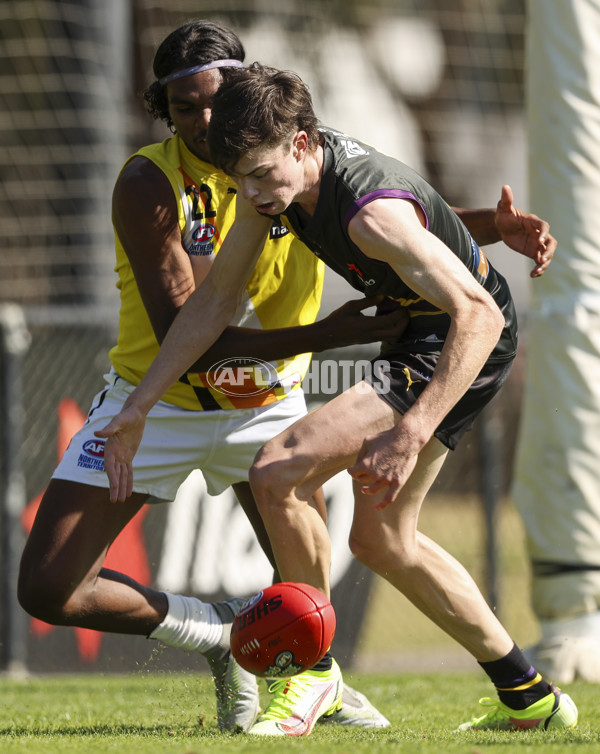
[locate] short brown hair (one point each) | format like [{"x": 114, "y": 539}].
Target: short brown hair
[{"x": 255, "y": 107}]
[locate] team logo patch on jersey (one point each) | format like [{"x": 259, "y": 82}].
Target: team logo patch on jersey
[
  {"x": 202, "y": 240},
  {"x": 353, "y": 148},
  {"x": 361, "y": 275},
  {"x": 278, "y": 231},
  {"x": 480, "y": 262},
  {"x": 92, "y": 455}
]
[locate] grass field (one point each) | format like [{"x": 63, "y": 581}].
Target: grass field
[
  {"x": 174, "y": 714},
  {"x": 158, "y": 712}
]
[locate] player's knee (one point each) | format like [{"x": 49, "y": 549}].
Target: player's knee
[
  {"x": 45, "y": 598},
  {"x": 36, "y": 600},
  {"x": 267, "y": 490},
  {"x": 382, "y": 557},
  {"x": 268, "y": 479},
  {"x": 364, "y": 551}
]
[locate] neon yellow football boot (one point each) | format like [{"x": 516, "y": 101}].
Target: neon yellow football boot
[
  {"x": 298, "y": 703},
  {"x": 556, "y": 710}
]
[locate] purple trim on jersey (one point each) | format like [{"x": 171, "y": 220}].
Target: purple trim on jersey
[{"x": 382, "y": 194}]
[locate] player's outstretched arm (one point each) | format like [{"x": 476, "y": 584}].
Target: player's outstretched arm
[
  {"x": 198, "y": 324},
  {"x": 346, "y": 326},
  {"x": 521, "y": 231}
]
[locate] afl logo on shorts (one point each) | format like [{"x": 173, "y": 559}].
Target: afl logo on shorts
[{"x": 94, "y": 448}]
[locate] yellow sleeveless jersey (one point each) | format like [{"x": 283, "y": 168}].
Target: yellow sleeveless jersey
[{"x": 284, "y": 291}]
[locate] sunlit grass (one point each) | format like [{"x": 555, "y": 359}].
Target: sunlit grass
[
  {"x": 170, "y": 713},
  {"x": 175, "y": 713}
]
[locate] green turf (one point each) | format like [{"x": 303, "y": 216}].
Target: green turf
[{"x": 174, "y": 714}]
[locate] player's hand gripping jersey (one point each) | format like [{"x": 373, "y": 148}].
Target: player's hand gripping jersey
[{"x": 284, "y": 290}]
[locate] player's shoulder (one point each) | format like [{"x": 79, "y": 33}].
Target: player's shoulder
[
  {"x": 355, "y": 165},
  {"x": 139, "y": 176},
  {"x": 343, "y": 148},
  {"x": 139, "y": 167}
]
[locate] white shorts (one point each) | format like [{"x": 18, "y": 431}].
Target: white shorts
[{"x": 222, "y": 444}]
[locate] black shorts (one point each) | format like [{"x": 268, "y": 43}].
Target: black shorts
[{"x": 401, "y": 378}]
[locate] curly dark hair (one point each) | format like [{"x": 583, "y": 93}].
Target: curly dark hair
[
  {"x": 195, "y": 43},
  {"x": 258, "y": 106}
]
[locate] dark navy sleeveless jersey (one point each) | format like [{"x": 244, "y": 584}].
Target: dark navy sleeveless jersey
[{"x": 355, "y": 174}]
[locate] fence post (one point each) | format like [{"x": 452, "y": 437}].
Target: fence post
[{"x": 14, "y": 342}]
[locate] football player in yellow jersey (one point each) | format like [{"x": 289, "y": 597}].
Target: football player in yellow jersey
[{"x": 171, "y": 209}]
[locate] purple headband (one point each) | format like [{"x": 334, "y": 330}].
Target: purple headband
[{"x": 199, "y": 68}]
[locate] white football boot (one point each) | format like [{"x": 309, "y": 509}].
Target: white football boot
[
  {"x": 356, "y": 710},
  {"x": 236, "y": 689}
]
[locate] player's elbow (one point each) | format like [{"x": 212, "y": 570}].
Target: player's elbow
[
  {"x": 496, "y": 321},
  {"x": 485, "y": 320}
]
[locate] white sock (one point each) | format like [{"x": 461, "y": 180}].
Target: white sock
[{"x": 189, "y": 624}]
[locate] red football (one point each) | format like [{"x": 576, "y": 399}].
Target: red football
[{"x": 283, "y": 630}]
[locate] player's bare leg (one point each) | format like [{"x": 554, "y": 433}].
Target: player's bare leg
[
  {"x": 63, "y": 581},
  {"x": 389, "y": 543},
  {"x": 287, "y": 471},
  {"x": 356, "y": 710},
  {"x": 246, "y": 499},
  {"x": 292, "y": 465}
]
